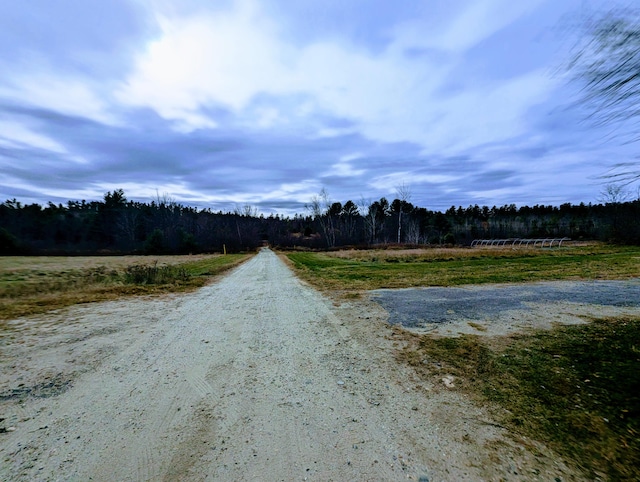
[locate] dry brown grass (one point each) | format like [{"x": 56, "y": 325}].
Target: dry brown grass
[
  {"x": 448, "y": 253},
  {"x": 31, "y": 264},
  {"x": 37, "y": 284}
]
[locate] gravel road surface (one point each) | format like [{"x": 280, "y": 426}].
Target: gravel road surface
[
  {"x": 255, "y": 377},
  {"x": 499, "y": 309}
]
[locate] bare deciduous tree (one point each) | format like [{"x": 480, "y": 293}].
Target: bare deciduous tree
[
  {"x": 320, "y": 207},
  {"x": 247, "y": 211},
  {"x": 614, "y": 194},
  {"x": 404, "y": 195},
  {"x": 370, "y": 212},
  {"x": 412, "y": 232}
]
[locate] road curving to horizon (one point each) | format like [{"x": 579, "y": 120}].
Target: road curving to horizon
[{"x": 254, "y": 377}]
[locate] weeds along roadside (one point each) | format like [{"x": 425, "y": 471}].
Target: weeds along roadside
[{"x": 27, "y": 291}]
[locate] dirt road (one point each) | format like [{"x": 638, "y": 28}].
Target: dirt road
[{"x": 255, "y": 377}]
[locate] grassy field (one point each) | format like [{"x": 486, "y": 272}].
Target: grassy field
[
  {"x": 576, "y": 388},
  {"x": 366, "y": 270},
  {"x": 36, "y": 284}
]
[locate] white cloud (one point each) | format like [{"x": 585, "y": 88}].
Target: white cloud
[
  {"x": 225, "y": 58},
  {"x": 498, "y": 196},
  {"x": 296, "y": 191},
  {"x": 65, "y": 94},
  {"x": 229, "y": 58},
  {"x": 343, "y": 169},
  {"x": 351, "y": 157},
  {"x": 325, "y": 132},
  {"x": 458, "y": 28},
  {"x": 488, "y": 113},
  {"x": 54, "y": 192},
  {"x": 235, "y": 65},
  {"x": 391, "y": 182},
  {"x": 481, "y": 19},
  {"x": 268, "y": 117},
  {"x": 13, "y": 134}
]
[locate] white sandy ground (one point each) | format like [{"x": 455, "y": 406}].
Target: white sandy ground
[{"x": 256, "y": 377}]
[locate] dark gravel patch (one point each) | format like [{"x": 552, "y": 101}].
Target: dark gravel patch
[
  {"x": 50, "y": 388},
  {"x": 414, "y": 307}
]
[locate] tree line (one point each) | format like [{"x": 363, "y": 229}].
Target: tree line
[{"x": 116, "y": 225}]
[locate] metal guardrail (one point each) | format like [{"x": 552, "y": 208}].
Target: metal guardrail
[{"x": 541, "y": 242}]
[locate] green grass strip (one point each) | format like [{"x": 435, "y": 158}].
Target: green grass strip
[{"x": 341, "y": 273}]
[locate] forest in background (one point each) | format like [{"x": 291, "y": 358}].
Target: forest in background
[{"x": 116, "y": 225}]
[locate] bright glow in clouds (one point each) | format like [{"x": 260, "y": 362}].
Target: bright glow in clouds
[
  {"x": 206, "y": 59},
  {"x": 244, "y": 101},
  {"x": 229, "y": 59}
]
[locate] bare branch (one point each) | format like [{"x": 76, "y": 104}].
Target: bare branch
[{"x": 605, "y": 63}]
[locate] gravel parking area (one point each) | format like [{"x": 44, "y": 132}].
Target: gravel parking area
[{"x": 495, "y": 309}]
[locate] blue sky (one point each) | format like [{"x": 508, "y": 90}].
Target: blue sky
[{"x": 225, "y": 103}]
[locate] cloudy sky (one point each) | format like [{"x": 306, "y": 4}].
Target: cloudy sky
[{"x": 219, "y": 103}]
